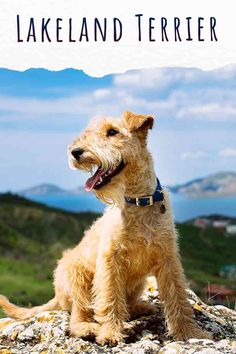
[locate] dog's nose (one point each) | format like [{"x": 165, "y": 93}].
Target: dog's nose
[{"x": 76, "y": 153}]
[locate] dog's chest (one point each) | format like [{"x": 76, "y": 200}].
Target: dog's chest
[{"x": 138, "y": 258}]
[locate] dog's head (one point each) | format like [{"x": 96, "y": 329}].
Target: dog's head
[{"x": 108, "y": 146}]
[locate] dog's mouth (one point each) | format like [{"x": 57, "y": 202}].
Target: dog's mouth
[{"x": 102, "y": 177}]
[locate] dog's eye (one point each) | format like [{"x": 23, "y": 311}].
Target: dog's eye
[{"x": 112, "y": 132}]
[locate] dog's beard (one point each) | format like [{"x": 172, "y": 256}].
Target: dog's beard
[{"x": 112, "y": 193}]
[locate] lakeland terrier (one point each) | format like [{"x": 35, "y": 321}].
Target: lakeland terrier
[{"x": 101, "y": 280}]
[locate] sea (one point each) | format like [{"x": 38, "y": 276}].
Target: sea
[{"x": 184, "y": 208}]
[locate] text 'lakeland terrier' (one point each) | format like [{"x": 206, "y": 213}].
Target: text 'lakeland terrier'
[{"x": 101, "y": 280}]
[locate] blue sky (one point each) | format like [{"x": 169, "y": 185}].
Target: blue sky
[{"x": 41, "y": 111}]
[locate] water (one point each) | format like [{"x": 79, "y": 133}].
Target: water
[
  {"x": 83, "y": 202},
  {"x": 184, "y": 208}
]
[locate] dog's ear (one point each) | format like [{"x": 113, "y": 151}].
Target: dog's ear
[{"x": 139, "y": 122}]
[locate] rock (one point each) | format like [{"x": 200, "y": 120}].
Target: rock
[{"x": 48, "y": 333}]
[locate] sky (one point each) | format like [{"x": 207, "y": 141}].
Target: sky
[{"x": 41, "y": 111}]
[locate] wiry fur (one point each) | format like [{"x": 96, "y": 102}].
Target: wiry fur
[{"x": 101, "y": 280}]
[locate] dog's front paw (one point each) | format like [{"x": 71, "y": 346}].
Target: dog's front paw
[
  {"x": 185, "y": 333},
  {"x": 84, "y": 329},
  {"x": 108, "y": 336}
]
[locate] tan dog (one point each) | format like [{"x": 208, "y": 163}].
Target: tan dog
[{"x": 101, "y": 280}]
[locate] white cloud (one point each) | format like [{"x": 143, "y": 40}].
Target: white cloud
[
  {"x": 169, "y": 93},
  {"x": 212, "y": 112},
  {"x": 183, "y": 93},
  {"x": 227, "y": 152},
  {"x": 227, "y": 72},
  {"x": 194, "y": 155},
  {"x": 101, "y": 93},
  {"x": 164, "y": 77}
]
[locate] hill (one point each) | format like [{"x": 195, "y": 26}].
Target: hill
[
  {"x": 49, "y": 189},
  {"x": 217, "y": 185},
  {"x": 33, "y": 236},
  {"x": 43, "y": 189}
]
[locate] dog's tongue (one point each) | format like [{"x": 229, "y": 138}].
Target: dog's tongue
[{"x": 92, "y": 181}]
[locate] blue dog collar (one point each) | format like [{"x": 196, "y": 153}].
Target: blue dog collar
[{"x": 148, "y": 200}]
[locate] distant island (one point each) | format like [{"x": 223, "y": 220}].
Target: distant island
[
  {"x": 221, "y": 184},
  {"x": 49, "y": 189}
]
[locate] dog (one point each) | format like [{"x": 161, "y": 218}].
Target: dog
[{"x": 101, "y": 280}]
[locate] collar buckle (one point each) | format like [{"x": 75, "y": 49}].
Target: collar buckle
[{"x": 144, "y": 201}]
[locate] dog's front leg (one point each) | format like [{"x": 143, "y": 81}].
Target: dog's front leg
[
  {"x": 171, "y": 286},
  {"x": 110, "y": 297}
]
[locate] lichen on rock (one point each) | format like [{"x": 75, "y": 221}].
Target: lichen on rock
[{"x": 48, "y": 333}]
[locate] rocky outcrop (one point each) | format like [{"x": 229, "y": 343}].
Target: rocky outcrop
[{"x": 48, "y": 333}]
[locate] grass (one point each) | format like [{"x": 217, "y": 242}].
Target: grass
[
  {"x": 33, "y": 236},
  {"x": 204, "y": 253}
]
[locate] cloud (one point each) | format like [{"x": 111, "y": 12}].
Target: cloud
[
  {"x": 227, "y": 152},
  {"x": 170, "y": 93},
  {"x": 71, "y": 105},
  {"x": 194, "y": 155},
  {"x": 199, "y": 155},
  {"x": 184, "y": 93},
  {"x": 210, "y": 111},
  {"x": 172, "y": 77}
]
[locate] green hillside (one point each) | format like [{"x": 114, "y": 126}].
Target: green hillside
[
  {"x": 204, "y": 253},
  {"x": 33, "y": 236}
]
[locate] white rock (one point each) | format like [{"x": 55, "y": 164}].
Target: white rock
[
  {"x": 15, "y": 326},
  {"x": 208, "y": 351},
  {"x": 171, "y": 348},
  {"x": 48, "y": 332},
  {"x": 26, "y": 334}
]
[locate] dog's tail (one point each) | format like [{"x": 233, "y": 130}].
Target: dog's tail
[{"x": 22, "y": 313}]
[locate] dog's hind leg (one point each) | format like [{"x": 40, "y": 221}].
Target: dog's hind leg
[{"x": 136, "y": 306}]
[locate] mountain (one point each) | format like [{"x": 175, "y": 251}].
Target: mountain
[
  {"x": 43, "y": 189},
  {"x": 216, "y": 185},
  {"x": 49, "y": 189}
]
